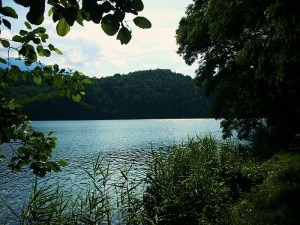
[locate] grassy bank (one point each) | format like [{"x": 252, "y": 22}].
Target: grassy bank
[
  {"x": 202, "y": 181},
  {"x": 206, "y": 182},
  {"x": 277, "y": 199}
]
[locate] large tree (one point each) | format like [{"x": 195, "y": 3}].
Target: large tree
[
  {"x": 248, "y": 54},
  {"x": 34, "y": 148}
]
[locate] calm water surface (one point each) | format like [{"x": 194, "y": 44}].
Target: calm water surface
[{"x": 121, "y": 142}]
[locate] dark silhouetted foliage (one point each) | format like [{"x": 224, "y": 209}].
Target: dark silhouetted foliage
[{"x": 248, "y": 54}]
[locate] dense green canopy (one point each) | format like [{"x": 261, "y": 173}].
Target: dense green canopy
[{"x": 248, "y": 54}]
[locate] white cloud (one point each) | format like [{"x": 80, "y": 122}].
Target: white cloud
[{"x": 89, "y": 50}]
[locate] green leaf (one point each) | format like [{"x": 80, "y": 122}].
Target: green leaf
[
  {"x": 56, "y": 69},
  {"x": 124, "y": 35},
  {"x": 36, "y": 41},
  {"x": 62, "y": 163},
  {"x": 110, "y": 25},
  {"x": 52, "y": 48},
  {"x": 12, "y": 105},
  {"x": 22, "y": 150},
  {"x": 50, "y": 12},
  {"x": 119, "y": 15},
  {"x": 37, "y": 79},
  {"x": 89, "y": 5},
  {"x": 107, "y": 7},
  {"x": 23, "y": 32},
  {"x": 79, "y": 18},
  {"x": 142, "y": 22},
  {"x": 54, "y": 166},
  {"x": 47, "y": 71},
  {"x": 137, "y": 5},
  {"x": 36, "y": 12},
  {"x": 76, "y": 75},
  {"x": 40, "y": 30},
  {"x": 57, "y": 15},
  {"x": 8, "y": 11},
  {"x": 76, "y": 98},
  {"x": 17, "y": 38},
  {"x": 96, "y": 17},
  {"x": 58, "y": 51},
  {"x": 28, "y": 26},
  {"x": 29, "y": 52},
  {"x": 3, "y": 61},
  {"x": 70, "y": 15},
  {"x": 87, "y": 81},
  {"x": 62, "y": 27},
  {"x": 44, "y": 37},
  {"x": 5, "y": 43},
  {"x": 40, "y": 50},
  {"x": 47, "y": 53},
  {"x": 6, "y": 23}
]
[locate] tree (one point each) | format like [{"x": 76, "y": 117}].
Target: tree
[
  {"x": 34, "y": 148},
  {"x": 138, "y": 95},
  {"x": 248, "y": 55}
]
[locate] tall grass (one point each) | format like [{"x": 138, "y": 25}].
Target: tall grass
[
  {"x": 202, "y": 181},
  {"x": 109, "y": 198},
  {"x": 196, "y": 183}
]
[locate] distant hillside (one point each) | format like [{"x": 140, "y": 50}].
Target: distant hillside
[{"x": 138, "y": 95}]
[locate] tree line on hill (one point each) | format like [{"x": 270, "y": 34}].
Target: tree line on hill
[{"x": 147, "y": 94}]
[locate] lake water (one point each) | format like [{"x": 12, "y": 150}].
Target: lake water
[{"x": 121, "y": 142}]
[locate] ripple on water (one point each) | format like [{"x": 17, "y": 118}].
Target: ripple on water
[{"x": 16, "y": 187}]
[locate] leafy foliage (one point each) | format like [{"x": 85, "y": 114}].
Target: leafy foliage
[
  {"x": 30, "y": 44},
  {"x": 248, "y": 55},
  {"x": 33, "y": 148}
]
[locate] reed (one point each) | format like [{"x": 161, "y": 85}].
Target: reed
[
  {"x": 201, "y": 181},
  {"x": 194, "y": 183}
]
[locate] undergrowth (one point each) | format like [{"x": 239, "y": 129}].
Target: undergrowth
[{"x": 202, "y": 181}]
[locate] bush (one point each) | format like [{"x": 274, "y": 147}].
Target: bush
[{"x": 276, "y": 201}]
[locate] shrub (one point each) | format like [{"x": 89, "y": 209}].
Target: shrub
[{"x": 276, "y": 201}]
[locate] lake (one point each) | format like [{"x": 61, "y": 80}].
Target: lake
[{"x": 120, "y": 142}]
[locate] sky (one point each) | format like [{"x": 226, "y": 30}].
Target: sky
[{"x": 89, "y": 50}]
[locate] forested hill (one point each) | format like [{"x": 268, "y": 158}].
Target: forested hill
[{"x": 138, "y": 95}]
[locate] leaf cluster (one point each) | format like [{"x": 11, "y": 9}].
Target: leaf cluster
[
  {"x": 30, "y": 44},
  {"x": 110, "y": 14},
  {"x": 248, "y": 56}
]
